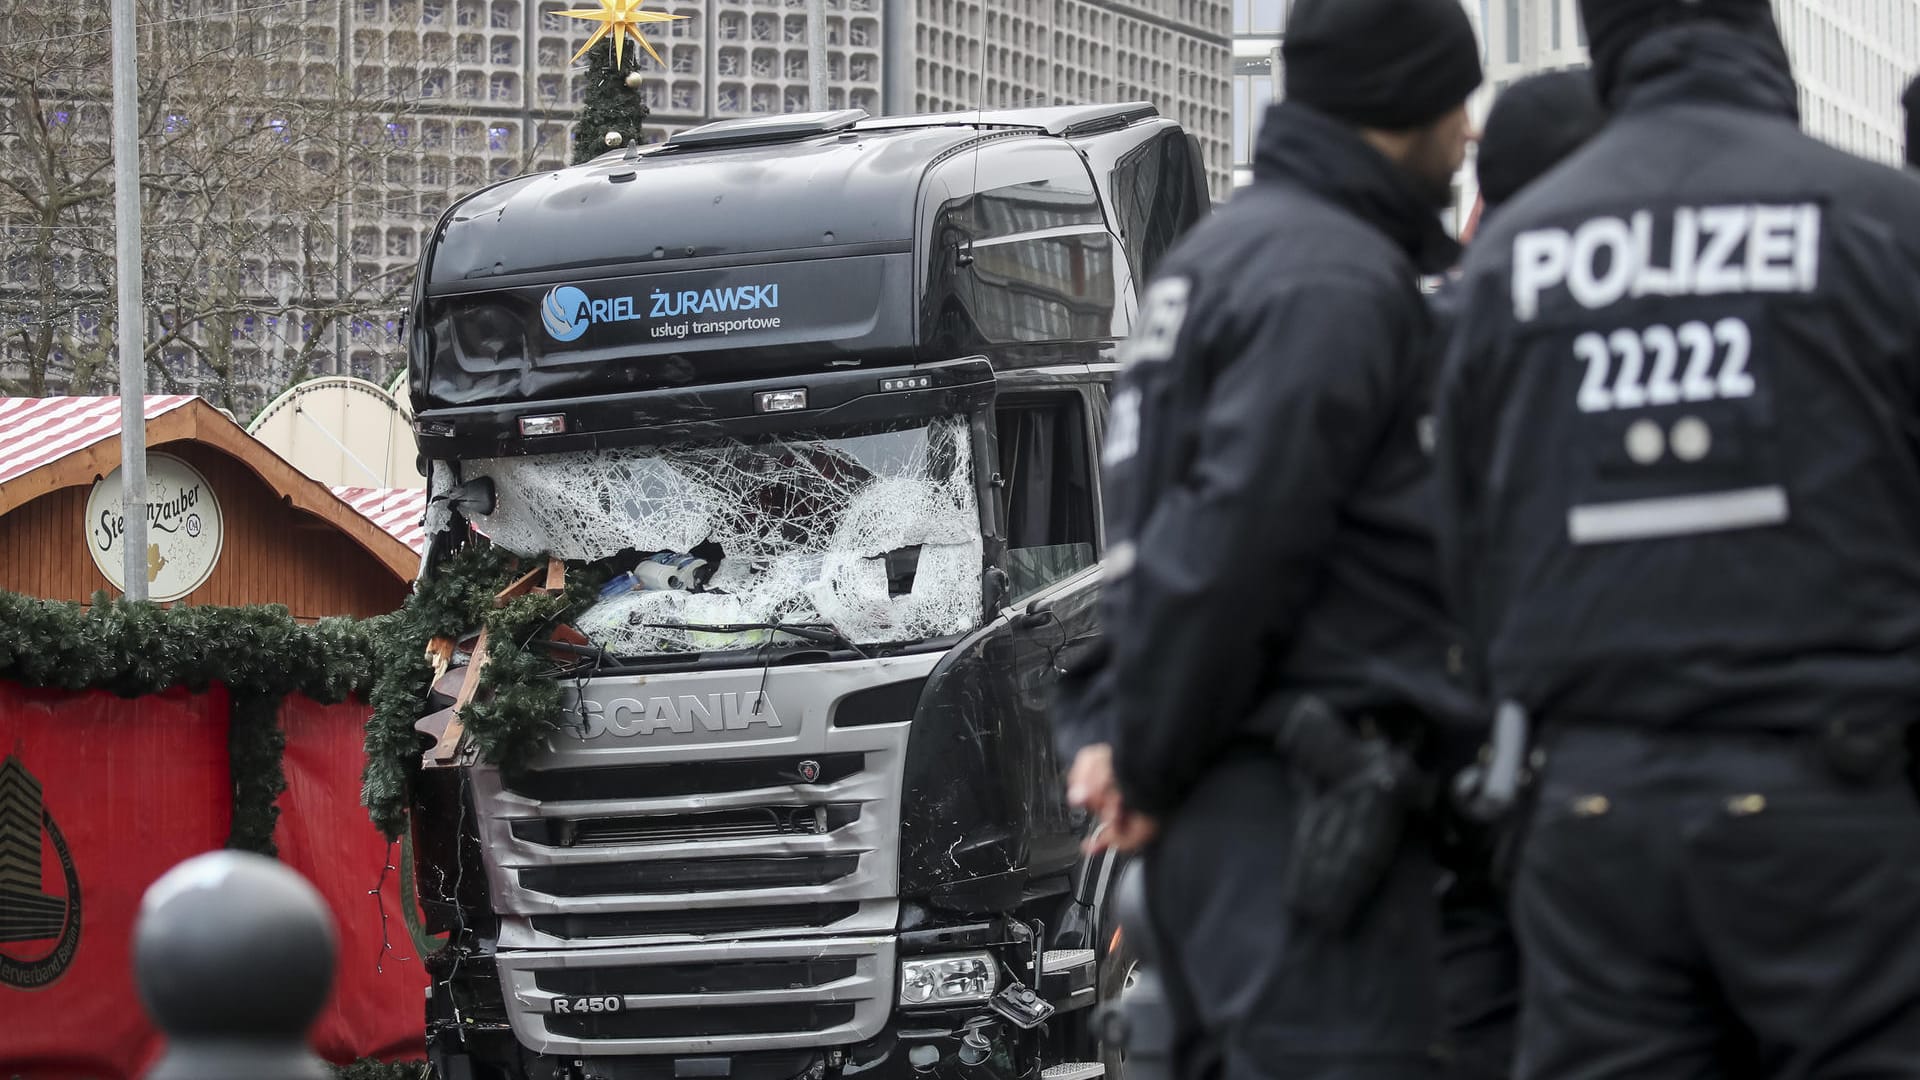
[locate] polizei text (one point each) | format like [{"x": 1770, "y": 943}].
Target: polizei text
[{"x": 1690, "y": 251}]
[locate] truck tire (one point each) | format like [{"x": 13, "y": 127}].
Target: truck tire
[{"x": 1118, "y": 971}]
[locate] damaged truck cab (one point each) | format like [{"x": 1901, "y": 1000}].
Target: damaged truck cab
[{"x": 820, "y": 396}]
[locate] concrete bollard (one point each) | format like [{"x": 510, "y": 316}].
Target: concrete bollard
[{"x": 234, "y": 956}]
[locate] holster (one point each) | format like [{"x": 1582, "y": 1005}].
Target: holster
[
  {"x": 1355, "y": 795},
  {"x": 1497, "y": 794}
]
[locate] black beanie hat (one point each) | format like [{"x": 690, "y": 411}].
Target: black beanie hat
[
  {"x": 1614, "y": 26},
  {"x": 1534, "y": 124},
  {"x": 1389, "y": 64}
]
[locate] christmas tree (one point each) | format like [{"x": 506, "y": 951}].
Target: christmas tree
[{"x": 612, "y": 104}]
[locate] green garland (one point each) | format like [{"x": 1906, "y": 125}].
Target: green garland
[
  {"x": 259, "y": 653},
  {"x": 451, "y": 602},
  {"x": 517, "y": 702},
  {"x": 256, "y": 748}
]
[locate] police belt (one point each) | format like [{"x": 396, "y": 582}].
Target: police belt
[{"x": 1853, "y": 750}]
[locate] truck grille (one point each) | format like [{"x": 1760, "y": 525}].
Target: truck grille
[
  {"x": 737, "y": 894},
  {"x": 691, "y": 778},
  {"x": 746, "y": 824},
  {"x": 682, "y": 999},
  {"x": 686, "y": 875},
  {"x": 704, "y": 1021},
  {"x": 722, "y": 921},
  {"x": 697, "y": 978}
]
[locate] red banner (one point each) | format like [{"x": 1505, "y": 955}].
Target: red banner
[
  {"x": 378, "y": 1007},
  {"x": 99, "y": 795}
]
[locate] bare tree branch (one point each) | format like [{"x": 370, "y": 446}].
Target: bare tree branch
[{"x": 253, "y": 178}]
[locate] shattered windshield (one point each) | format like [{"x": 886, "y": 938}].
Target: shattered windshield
[{"x": 874, "y": 531}]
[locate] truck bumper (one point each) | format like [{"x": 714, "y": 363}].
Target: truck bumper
[{"x": 960, "y": 1044}]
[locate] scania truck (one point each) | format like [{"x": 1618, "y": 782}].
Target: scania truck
[{"x": 822, "y": 393}]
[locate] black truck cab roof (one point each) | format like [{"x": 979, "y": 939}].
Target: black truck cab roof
[{"x": 681, "y": 283}]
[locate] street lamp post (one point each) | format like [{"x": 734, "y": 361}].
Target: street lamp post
[
  {"x": 132, "y": 322},
  {"x": 817, "y": 55}
]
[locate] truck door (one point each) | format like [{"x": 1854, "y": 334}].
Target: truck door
[{"x": 1053, "y": 536}]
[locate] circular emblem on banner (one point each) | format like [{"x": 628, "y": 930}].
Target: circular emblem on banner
[
  {"x": 185, "y": 529},
  {"x": 39, "y": 930}
]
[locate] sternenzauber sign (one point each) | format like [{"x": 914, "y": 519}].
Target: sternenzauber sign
[{"x": 185, "y": 530}]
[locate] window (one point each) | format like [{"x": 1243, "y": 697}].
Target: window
[
  {"x": 1513, "y": 31},
  {"x": 1555, "y": 6},
  {"x": 1046, "y": 461},
  {"x": 1159, "y": 192},
  {"x": 1252, "y": 93}
]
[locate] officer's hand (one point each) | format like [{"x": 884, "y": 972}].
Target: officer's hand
[
  {"x": 1091, "y": 785},
  {"x": 1125, "y": 832}
]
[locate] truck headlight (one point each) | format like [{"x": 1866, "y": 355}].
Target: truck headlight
[{"x": 948, "y": 980}]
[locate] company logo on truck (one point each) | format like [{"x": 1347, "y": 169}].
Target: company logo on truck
[
  {"x": 667, "y": 305},
  {"x": 683, "y": 714},
  {"x": 567, "y": 311}
]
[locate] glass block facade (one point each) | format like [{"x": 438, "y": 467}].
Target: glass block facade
[
  {"x": 475, "y": 91},
  {"x": 498, "y": 92},
  {"x": 968, "y": 54},
  {"x": 1852, "y": 59}
]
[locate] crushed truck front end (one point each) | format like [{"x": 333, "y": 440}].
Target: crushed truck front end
[{"x": 799, "y": 812}]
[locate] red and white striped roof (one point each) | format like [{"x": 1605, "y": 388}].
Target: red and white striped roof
[
  {"x": 40, "y": 431},
  {"x": 400, "y": 511}
]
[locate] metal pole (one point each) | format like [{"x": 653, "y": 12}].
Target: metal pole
[
  {"x": 132, "y": 337},
  {"x": 817, "y": 55}
]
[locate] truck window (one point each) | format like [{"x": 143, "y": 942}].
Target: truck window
[
  {"x": 1047, "y": 465},
  {"x": 1158, "y": 193}
]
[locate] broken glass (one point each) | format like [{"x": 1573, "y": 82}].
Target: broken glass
[{"x": 874, "y": 531}]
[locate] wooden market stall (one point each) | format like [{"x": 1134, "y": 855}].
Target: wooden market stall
[
  {"x": 231, "y": 523},
  {"x": 117, "y": 762}
]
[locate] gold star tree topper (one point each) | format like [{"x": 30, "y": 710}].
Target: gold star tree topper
[{"x": 620, "y": 18}]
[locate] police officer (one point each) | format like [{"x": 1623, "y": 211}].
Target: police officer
[
  {"x": 1268, "y": 507},
  {"x": 1534, "y": 125},
  {"x": 1681, "y": 475}
]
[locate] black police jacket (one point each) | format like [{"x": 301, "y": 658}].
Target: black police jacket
[
  {"x": 1267, "y": 494},
  {"x": 1679, "y": 445}
]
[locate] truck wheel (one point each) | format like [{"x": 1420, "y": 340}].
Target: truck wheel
[{"x": 1119, "y": 970}]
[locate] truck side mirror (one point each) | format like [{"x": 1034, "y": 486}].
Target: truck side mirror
[{"x": 1038, "y": 614}]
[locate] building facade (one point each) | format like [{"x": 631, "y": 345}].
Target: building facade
[
  {"x": 498, "y": 92},
  {"x": 1852, "y": 59},
  {"x": 963, "y": 54},
  {"x": 483, "y": 90}
]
